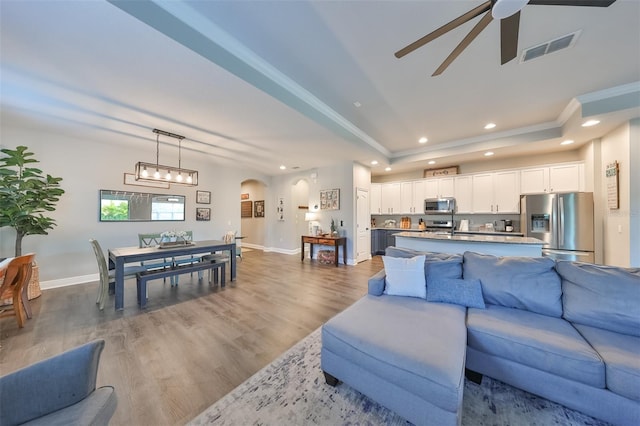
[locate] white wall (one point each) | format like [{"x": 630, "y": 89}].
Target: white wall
[
  {"x": 87, "y": 166},
  {"x": 616, "y": 222},
  {"x": 634, "y": 192}
]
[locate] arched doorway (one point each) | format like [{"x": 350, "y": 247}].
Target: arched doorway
[{"x": 252, "y": 213}]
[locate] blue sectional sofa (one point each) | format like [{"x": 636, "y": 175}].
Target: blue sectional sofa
[{"x": 567, "y": 331}]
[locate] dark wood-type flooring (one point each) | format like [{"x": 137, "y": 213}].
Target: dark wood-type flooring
[{"x": 192, "y": 344}]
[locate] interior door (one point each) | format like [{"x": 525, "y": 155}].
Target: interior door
[{"x": 363, "y": 226}]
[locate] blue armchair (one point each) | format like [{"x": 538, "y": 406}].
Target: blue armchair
[{"x": 60, "y": 390}]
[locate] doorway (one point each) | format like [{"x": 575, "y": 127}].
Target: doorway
[{"x": 363, "y": 226}]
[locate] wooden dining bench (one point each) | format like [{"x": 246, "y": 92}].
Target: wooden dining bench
[{"x": 144, "y": 276}]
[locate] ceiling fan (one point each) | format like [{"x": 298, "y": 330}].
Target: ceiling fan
[{"x": 508, "y": 11}]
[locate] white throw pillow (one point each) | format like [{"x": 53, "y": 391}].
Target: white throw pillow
[{"x": 405, "y": 277}]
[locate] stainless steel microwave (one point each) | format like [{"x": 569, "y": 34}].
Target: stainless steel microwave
[{"x": 440, "y": 205}]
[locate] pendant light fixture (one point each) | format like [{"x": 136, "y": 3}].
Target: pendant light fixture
[{"x": 150, "y": 172}]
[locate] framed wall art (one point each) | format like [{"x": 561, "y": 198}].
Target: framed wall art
[
  {"x": 246, "y": 208},
  {"x": 280, "y": 209},
  {"x": 203, "y": 213},
  {"x": 203, "y": 197},
  {"x": 258, "y": 208},
  {"x": 330, "y": 199}
]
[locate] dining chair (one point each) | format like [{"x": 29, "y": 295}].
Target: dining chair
[
  {"x": 189, "y": 259},
  {"x": 108, "y": 275},
  {"x": 222, "y": 256},
  {"x": 17, "y": 276},
  {"x": 153, "y": 240}
]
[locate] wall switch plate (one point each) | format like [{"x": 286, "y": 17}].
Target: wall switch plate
[{"x": 619, "y": 229}]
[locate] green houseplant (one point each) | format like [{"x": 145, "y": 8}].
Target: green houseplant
[{"x": 25, "y": 194}]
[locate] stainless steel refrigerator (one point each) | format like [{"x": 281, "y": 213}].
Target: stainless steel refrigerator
[{"x": 563, "y": 221}]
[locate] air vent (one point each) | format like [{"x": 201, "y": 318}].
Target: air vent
[{"x": 550, "y": 47}]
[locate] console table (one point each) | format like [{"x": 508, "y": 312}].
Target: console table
[{"x": 335, "y": 242}]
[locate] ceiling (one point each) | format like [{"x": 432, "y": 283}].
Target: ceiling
[{"x": 305, "y": 84}]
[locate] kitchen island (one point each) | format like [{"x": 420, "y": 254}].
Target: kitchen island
[{"x": 497, "y": 245}]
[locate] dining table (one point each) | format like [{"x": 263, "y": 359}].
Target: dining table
[{"x": 118, "y": 257}]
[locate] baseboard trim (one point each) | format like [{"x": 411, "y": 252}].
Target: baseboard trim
[{"x": 65, "y": 282}]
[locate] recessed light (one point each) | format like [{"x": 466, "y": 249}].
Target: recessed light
[
  {"x": 357, "y": 104},
  {"x": 283, "y": 167},
  {"x": 490, "y": 126},
  {"x": 387, "y": 169},
  {"x": 567, "y": 142},
  {"x": 432, "y": 162},
  {"x": 374, "y": 162},
  {"x": 590, "y": 123},
  {"x": 423, "y": 140},
  {"x": 488, "y": 154}
]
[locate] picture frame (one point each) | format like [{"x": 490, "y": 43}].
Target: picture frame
[
  {"x": 258, "y": 208},
  {"x": 203, "y": 197},
  {"x": 280, "y": 209},
  {"x": 330, "y": 199},
  {"x": 246, "y": 209},
  {"x": 203, "y": 214}
]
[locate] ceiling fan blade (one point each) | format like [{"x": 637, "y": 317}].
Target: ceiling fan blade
[
  {"x": 486, "y": 19},
  {"x": 509, "y": 28},
  {"x": 477, "y": 11},
  {"x": 594, "y": 3}
]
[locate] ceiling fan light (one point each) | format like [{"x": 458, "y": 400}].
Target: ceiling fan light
[{"x": 505, "y": 8}]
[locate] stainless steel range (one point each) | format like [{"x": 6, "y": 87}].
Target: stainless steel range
[{"x": 445, "y": 226}]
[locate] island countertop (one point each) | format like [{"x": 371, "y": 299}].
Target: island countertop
[
  {"x": 504, "y": 239},
  {"x": 497, "y": 245}
]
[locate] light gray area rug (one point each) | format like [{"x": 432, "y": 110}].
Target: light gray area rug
[{"x": 291, "y": 391}]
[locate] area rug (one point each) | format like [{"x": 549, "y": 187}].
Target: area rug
[{"x": 291, "y": 391}]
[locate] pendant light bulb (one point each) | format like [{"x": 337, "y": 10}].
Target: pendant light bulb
[
  {"x": 157, "y": 174},
  {"x": 144, "y": 172},
  {"x": 189, "y": 179},
  {"x": 168, "y": 176},
  {"x": 179, "y": 177}
]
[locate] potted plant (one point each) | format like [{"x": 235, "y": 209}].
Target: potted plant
[{"x": 25, "y": 194}]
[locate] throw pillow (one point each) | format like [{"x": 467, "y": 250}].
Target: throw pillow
[
  {"x": 529, "y": 283},
  {"x": 405, "y": 277},
  {"x": 460, "y": 292}
]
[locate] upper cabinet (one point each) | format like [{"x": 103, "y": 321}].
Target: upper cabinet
[
  {"x": 439, "y": 187},
  {"x": 412, "y": 196},
  {"x": 463, "y": 190},
  {"x": 391, "y": 201},
  {"x": 490, "y": 192},
  {"x": 556, "y": 178},
  {"x": 375, "y": 198},
  {"x": 497, "y": 192}
]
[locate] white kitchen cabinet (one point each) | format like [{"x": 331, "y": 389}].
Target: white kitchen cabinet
[
  {"x": 446, "y": 187},
  {"x": 390, "y": 200},
  {"x": 566, "y": 178},
  {"x": 412, "y": 197},
  {"x": 375, "y": 197},
  {"x": 482, "y": 189},
  {"x": 439, "y": 188},
  {"x": 555, "y": 178},
  {"x": 506, "y": 192},
  {"x": 534, "y": 181},
  {"x": 463, "y": 192},
  {"x": 497, "y": 192}
]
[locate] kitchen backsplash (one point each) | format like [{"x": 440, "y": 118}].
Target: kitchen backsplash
[{"x": 475, "y": 220}]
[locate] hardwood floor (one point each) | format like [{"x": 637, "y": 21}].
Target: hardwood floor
[{"x": 192, "y": 344}]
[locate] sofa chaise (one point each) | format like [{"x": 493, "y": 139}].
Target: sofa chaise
[{"x": 567, "y": 331}]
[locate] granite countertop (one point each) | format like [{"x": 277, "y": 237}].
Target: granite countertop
[
  {"x": 477, "y": 238},
  {"x": 513, "y": 234}
]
